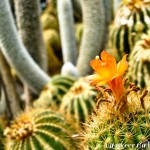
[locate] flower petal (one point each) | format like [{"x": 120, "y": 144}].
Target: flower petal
[
  {"x": 122, "y": 65},
  {"x": 105, "y": 56}
]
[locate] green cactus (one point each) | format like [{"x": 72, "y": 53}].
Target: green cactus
[
  {"x": 67, "y": 31},
  {"x": 139, "y": 64},
  {"x": 39, "y": 129},
  {"x": 131, "y": 20},
  {"x": 125, "y": 126},
  {"x": 53, "y": 92},
  {"x": 79, "y": 102}
]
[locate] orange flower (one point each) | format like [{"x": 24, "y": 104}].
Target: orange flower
[{"x": 108, "y": 71}]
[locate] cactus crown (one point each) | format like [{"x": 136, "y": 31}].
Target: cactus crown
[{"x": 39, "y": 129}]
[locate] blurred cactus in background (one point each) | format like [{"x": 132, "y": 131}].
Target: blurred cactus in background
[
  {"x": 139, "y": 69},
  {"x": 51, "y": 95},
  {"x": 79, "y": 102},
  {"x": 131, "y": 20}
]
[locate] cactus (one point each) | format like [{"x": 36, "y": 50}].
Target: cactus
[
  {"x": 121, "y": 120},
  {"x": 28, "y": 22},
  {"x": 53, "y": 92},
  {"x": 78, "y": 102},
  {"x": 109, "y": 130},
  {"x": 93, "y": 34},
  {"x": 67, "y": 33},
  {"x": 130, "y": 22},
  {"x": 16, "y": 54},
  {"x": 139, "y": 70},
  {"x": 39, "y": 129}
]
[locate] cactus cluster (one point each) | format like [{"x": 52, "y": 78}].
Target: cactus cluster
[
  {"x": 39, "y": 129},
  {"x": 79, "y": 102},
  {"x": 139, "y": 65},
  {"x": 126, "y": 126},
  {"x": 131, "y": 20},
  {"x": 52, "y": 94}
]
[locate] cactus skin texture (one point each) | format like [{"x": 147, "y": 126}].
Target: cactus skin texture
[
  {"x": 94, "y": 26},
  {"x": 52, "y": 94},
  {"x": 78, "y": 102},
  {"x": 130, "y": 22},
  {"x": 39, "y": 129},
  {"x": 139, "y": 70},
  {"x": 67, "y": 31},
  {"x": 115, "y": 128}
]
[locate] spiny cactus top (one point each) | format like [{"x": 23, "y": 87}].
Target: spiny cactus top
[
  {"x": 39, "y": 129},
  {"x": 121, "y": 118},
  {"x": 139, "y": 62},
  {"x": 79, "y": 102}
]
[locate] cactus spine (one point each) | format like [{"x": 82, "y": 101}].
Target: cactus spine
[
  {"x": 93, "y": 24},
  {"x": 139, "y": 70},
  {"x": 78, "y": 102},
  {"x": 15, "y": 52},
  {"x": 67, "y": 33},
  {"x": 130, "y": 22},
  {"x": 39, "y": 129}
]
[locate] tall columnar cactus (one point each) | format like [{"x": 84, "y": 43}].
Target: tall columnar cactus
[
  {"x": 78, "y": 102},
  {"x": 15, "y": 52},
  {"x": 52, "y": 94},
  {"x": 139, "y": 69},
  {"x": 39, "y": 129},
  {"x": 28, "y": 22},
  {"x": 93, "y": 33},
  {"x": 121, "y": 120},
  {"x": 131, "y": 20},
  {"x": 67, "y": 33}
]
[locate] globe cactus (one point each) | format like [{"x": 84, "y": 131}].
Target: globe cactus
[
  {"x": 39, "y": 129},
  {"x": 121, "y": 120},
  {"x": 139, "y": 70},
  {"x": 79, "y": 102},
  {"x": 53, "y": 92},
  {"x": 131, "y": 20}
]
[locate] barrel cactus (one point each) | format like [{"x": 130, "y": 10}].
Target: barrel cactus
[
  {"x": 78, "y": 102},
  {"x": 39, "y": 129},
  {"x": 139, "y": 70},
  {"x": 121, "y": 120},
  {"x": 131, "y": 20},
  {"x": 109, "y": 130},
  {"x": 52, "y": 94}
]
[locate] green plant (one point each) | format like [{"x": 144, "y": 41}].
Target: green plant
[
  {"x": 54, "y": 91},
  {"x": 39, "y": 129},
  {"x": 139, "y": 62},
  {"x": 131, "y": 20},
  {"x": 78, "y": 102},
  {"x": 112, "y": 129}
]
